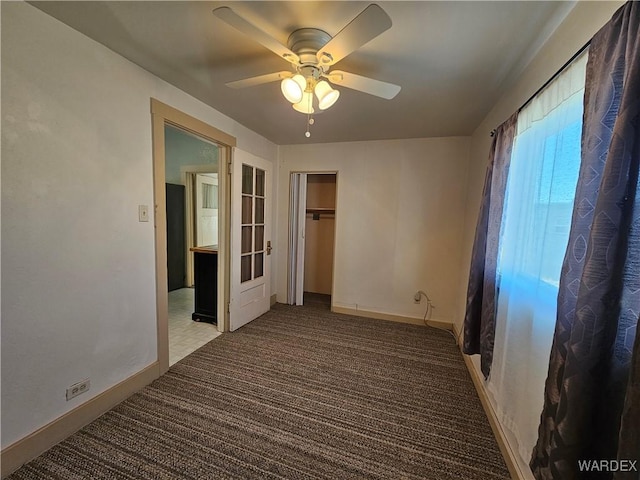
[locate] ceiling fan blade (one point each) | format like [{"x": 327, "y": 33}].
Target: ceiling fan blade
[
  {"x": 260, "y": 79},
  {"x": 264, "y": 39},
  {"x": 370, "y": 23},
  {"x": 364, "y": 84}
]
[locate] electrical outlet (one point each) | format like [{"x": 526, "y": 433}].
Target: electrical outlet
[
  {"x": 417, "y": 297},
  {"x": 78, "y": 389}
]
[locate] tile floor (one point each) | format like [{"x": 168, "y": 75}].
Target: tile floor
[{"x": 185, "y": 335}]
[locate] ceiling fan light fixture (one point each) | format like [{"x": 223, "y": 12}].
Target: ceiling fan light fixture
[
  {"x": 312, "y": 53},
  {"x": 293, "y": 88},
  {"x": 326, "y": 95},
  {"x": 306, "y": 104}
]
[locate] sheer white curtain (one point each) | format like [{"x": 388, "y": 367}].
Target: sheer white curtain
[{"x": 535, "y": 229}]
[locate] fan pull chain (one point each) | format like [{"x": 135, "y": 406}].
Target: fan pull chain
[
  {"x": 309, "y": 118},
  {"x": 310, "y": 122}
]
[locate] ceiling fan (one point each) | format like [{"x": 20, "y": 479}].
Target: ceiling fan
[{"x": 312, "y": 52}]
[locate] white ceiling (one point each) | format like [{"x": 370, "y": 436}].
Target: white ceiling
[{"x": 452, "y": 59}]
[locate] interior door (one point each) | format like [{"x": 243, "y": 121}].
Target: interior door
[
  {"x": 206, "y": 209},
  {"x": 176, "y": 248},
  {"x": 297, "y": 224},
  {"x": 250, "y": 238}
]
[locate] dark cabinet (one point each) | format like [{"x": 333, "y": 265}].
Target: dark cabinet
[{"x": 205, "y": 263}]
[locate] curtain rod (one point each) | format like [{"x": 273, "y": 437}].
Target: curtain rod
[{"x": 553, "y": 77}]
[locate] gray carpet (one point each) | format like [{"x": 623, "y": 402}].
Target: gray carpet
[{"x": 299, "y": 393}]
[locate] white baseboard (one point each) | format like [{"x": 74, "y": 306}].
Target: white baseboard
[
  {"x": 390, "y": 316},
  {"x": 510, "y": 457},
  {"x": 38, "y": 442},
  {"x": 274, "y": 299}
]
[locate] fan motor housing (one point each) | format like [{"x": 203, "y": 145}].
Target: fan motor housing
[{"x": 305, "y": 42}]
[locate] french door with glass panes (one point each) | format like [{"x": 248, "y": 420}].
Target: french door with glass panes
[{"x": 250, "y": 238}]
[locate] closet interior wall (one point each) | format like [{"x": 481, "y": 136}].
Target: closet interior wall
[{"x": 319, "y": 233}]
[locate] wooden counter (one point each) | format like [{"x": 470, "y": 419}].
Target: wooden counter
[
  {"x": 207, "y": 249},
  {"x": 205, "y": 264}
]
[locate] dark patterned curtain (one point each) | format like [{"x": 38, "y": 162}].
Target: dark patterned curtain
[
  {"x": 599, "y": 293},
  {"x": 479, "y": 320}
]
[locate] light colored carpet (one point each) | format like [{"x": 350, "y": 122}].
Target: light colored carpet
[{"x": 299, "y": 393}]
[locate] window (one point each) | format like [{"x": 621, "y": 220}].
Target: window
[
  {"x": 541, "y": 186},
  {"x": 542, "y": 181},
  {"x": 209, "y": 196}
]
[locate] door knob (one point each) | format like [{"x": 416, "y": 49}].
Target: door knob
[{"x": 269, "y": 247}]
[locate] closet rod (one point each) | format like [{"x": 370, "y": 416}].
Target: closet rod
[{"x": 321, "y": 210}]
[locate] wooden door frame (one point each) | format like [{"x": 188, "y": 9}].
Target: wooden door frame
[{"x": 161, "y": 115}]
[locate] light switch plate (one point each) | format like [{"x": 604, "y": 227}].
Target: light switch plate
[{"x": 143, "y": 213}]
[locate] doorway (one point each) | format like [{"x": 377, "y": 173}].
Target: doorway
[
  {"x": 312, "y": 238},
  {"x": 201, "y": 210},
  {"x": 191, "y": 176},
  {"x": 164, "y": 116}
]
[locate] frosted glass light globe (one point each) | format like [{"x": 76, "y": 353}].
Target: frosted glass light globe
[
  {"x": 306, "y": 104},
  {"x": 293, "y": 88},
  {"x": 326, "y": 95}
]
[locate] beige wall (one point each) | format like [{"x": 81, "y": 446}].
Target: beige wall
[
  {"x": 577, "y": 29},
  {"x": 399, "y": 220},
  {"x": 319, "y": 235},
  {"x": 78, "y": 269}
]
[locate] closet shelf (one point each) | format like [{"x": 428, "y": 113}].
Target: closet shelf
[{"x": 316, "y": 212}]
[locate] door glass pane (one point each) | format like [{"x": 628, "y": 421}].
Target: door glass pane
[
  {"x": 259, "y": 182},
  {"x": 245, "y": 268},
  {"x": 247, "y": 210},
  {"x": 252, "y": 239},
  {"x": 259, "y": 210},
  {"x": 247, "y": 179},
  {"x": 259, "y": 265},
  {"x": 246, "y": 239},
  {"x": 259, "y": 238}
]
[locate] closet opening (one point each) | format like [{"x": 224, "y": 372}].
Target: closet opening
[{"x": 312, "y": 238}]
